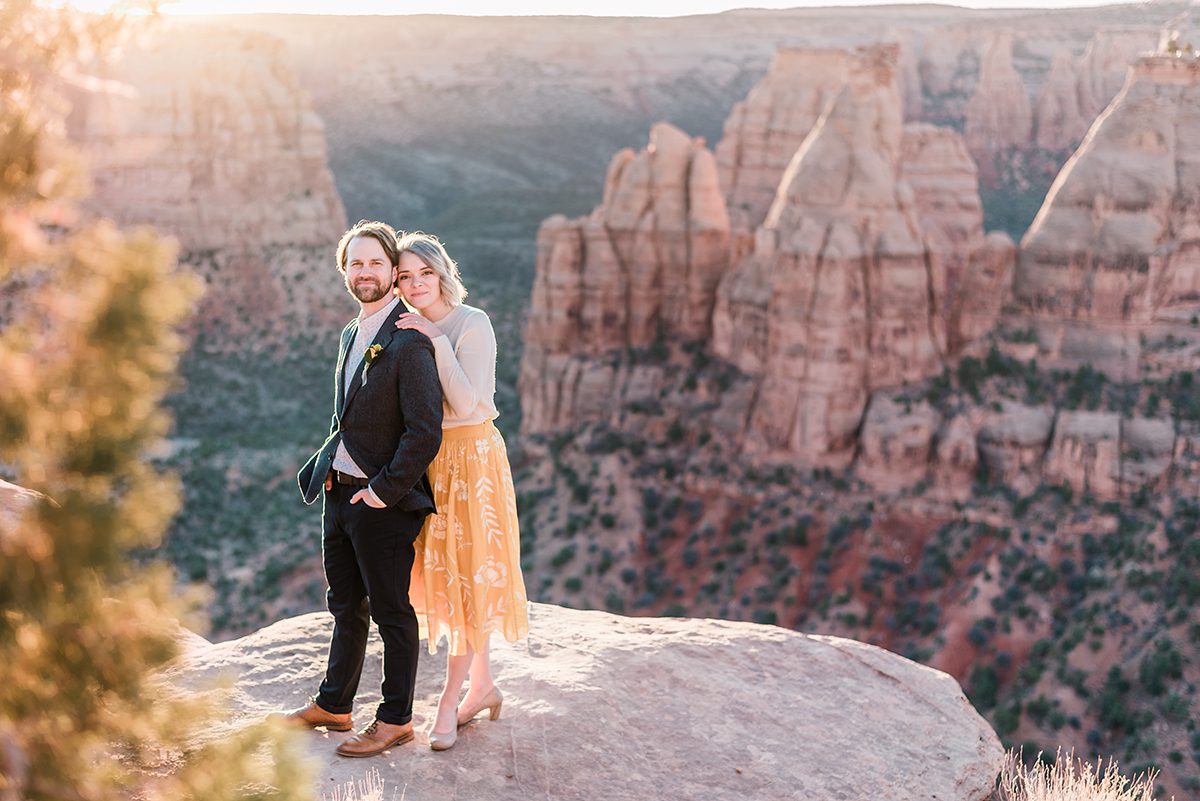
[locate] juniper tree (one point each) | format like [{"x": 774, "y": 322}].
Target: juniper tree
[{"x": 87, "y": 351}]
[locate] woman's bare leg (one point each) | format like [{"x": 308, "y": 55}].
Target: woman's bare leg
[
  {"x": 457, "y": 670},
  {"x": 481, "y": 678}
]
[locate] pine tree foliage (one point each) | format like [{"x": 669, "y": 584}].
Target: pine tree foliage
[{"x": 87, "y": 351}]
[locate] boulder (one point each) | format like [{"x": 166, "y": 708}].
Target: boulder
[
  {"x": 1012, "y": 443},
  {"x": 1086, "y": 453},
  {"x": 598, "y": 705},
  {"x": 896, "y": 443}
]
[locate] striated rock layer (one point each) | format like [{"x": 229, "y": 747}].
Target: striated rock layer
[
  {"x": 594, "y": 700},
  {"x": 226, "y": 155},
  {"x": 1105, "y": 64},
  {"x": 641, "y": 269},
  {"x": 1117, "y": 241},
  {"x": 847, "y": 290},
  {"x": 971, "y": 271},
  {"x": 870, "y": 268},
  {"x": 1076, "y": 92},
  {"x": 764, "y": 131}
]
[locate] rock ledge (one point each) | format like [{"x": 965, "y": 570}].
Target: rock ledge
[{"x": 601, "y": 706}]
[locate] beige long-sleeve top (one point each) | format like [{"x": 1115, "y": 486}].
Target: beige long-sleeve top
[{"x": 466, "y": 365}]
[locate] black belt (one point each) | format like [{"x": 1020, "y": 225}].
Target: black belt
[{"x": 346, "y": 478}]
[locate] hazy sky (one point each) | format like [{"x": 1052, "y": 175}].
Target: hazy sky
[{"x": 654, "y": 8}]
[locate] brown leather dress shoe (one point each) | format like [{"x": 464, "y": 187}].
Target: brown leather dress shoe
[
  {"x": 312, "y": 716},
  {"x": 375, "y": 739}
]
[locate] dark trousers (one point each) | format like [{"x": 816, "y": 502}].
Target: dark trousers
[{"x": 368, "y": 559}]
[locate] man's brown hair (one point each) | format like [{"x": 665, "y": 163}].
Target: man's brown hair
[{"x": 381, "y": 232}]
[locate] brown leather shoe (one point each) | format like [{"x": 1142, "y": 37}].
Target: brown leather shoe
[
  {"x": 375, "y": 739},
  {"x": 312, "y": 716}
]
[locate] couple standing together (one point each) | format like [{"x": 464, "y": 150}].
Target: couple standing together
[{"x": 419, "y": 520}]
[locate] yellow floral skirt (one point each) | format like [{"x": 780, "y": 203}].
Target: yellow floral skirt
[{"x": 466, "y": 580}]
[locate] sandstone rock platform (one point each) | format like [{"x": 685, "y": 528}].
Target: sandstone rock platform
[{"x": 599, "y": 706}]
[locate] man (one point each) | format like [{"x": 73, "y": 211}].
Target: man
[{"x": 386, "y": 429}]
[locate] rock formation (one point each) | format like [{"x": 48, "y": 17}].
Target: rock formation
[
  {"x": 1105, "y": 63},
  {"x": 225, "y": 153},
  {"x": 1086, "y": 453},
  {"x": 594, "y": 701},
  {"x": 1108, "y": 456},
  {"x": 896, "y": 443},
  {"x": 847, "y": 287},
  {"x": 1117, "y": 241},
  {"x": 763, "y": 132},
  {"x": 641, "y": 269},
  {"x": 1058, "y": 119},
  {"x": 1012, "y": 442},
  {"x": 841, "y": 267},
  {"x": 972, "y": 271},
  {"x": 1075, "y": 93},
  {"x": 948, "y": 66},
  {"x": 998, "y": 114}
]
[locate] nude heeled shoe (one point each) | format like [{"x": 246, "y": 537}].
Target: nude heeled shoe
[
  {"x": 490, "y": 702},
  {"x": 443, "y": 741}
]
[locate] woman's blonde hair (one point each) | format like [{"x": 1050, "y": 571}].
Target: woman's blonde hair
[{"x": 430, "y": 250}]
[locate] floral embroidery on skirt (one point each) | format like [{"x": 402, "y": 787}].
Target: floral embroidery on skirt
[{"x": 467, "y": 580}]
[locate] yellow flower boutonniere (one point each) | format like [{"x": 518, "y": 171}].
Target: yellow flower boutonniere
[{"x": 369, "y": 358}]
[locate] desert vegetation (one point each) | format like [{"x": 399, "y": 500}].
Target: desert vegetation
[{"x": 84, "y": 631}]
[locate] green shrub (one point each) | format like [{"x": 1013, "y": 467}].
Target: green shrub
[
  {"x": 1159, "y": 666},
  {"x": 564, "y": 555}
]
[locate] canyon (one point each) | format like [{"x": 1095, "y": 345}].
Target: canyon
[
  {"x": 905, "y": 355},
  {"x": 884, "y": 389}
]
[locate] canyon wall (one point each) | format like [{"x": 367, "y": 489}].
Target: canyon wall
[
  {"x": 1115, "y": 246},
  {"x": 763, "y": 132},
  {"x": 641, "y": 269},
  {"x": 222, "y": 151},
  {"x": 870, "y": 267}
]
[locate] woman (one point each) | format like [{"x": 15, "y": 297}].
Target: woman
[{"x": 466, "y": 579}]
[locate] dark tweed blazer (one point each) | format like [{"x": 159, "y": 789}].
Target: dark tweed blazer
[{"x": 391, "y": 424}]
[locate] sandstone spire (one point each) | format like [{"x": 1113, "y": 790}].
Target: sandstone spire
[
  {"x": 836, "y": 297},
  {"x": 998, "y": 114},
  {"x": 971, "y": 272},
  {"x": 1117, "y": 238},
  {"x": 1059, "y": 122},
  {"x": 763, "y": 131},
  {"x": 858, "y": 275},
  {"x": 641, "y": 269}
]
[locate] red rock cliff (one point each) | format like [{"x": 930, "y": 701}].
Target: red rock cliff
[{"x": 226, "y": 155}]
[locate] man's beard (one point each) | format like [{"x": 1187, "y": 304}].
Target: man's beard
[{"x": 369, "y": 291}]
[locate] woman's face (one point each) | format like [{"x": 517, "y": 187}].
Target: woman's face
[{"x": 419, "y": 285}]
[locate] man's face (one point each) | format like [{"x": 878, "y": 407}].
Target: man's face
[{"x": 369, "y": 275}]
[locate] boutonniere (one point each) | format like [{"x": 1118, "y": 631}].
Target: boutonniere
[{"x": 369, "y": 358}]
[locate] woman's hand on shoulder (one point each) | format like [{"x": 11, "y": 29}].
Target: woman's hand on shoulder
[{"x": 416, "y": 322}]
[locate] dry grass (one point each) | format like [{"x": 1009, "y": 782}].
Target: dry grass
[
  {"x": 368, "y": 788},
  {"x": 1070, "y": 779}
]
